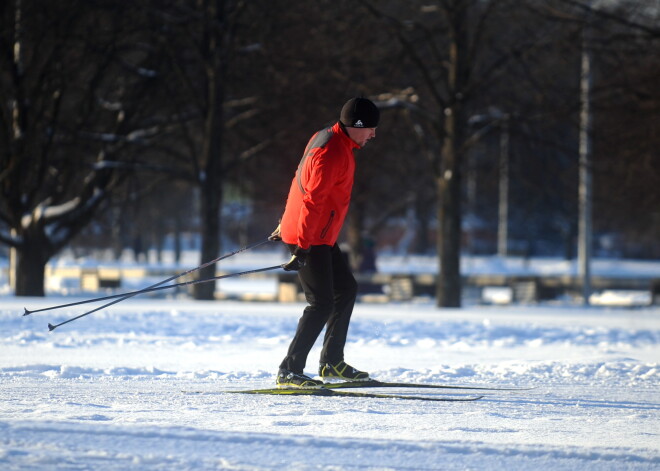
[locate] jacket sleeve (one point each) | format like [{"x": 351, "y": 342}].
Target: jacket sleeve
[{"x": 320, "y": 172}]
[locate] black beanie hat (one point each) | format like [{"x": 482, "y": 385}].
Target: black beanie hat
[{"x": 359, "y": 113}]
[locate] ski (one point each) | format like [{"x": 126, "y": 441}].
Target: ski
[
  {"x": 333, "y": 393},
  {"x": 372, "y": 383}
]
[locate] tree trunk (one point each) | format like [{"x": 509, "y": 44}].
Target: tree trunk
[
  {"x": 178, "y": 224},
  {"x": 30, "y": 268},
  {"x": 448, "y": 289},
  {"x": 210, "y": 228},
  {"x": 211, "y": 182}
]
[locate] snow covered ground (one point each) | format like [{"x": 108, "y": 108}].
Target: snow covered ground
[{"x": 113, "y": 391}]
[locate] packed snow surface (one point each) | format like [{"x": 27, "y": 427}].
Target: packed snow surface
[{"x": 142, "y": 386}]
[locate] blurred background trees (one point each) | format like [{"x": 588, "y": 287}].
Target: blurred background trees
[{"x": 129, "y": 125}]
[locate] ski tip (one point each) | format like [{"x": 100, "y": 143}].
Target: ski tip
[
  {"x": 26, "y": 313},
  {"x": 51, "y": 327}
]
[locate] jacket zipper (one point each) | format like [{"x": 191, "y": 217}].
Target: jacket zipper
[{"x": 325, "y": 229}]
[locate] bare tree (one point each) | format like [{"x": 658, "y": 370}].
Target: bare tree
[
  {"x": 458, "y": 58},
  {"x": 623, "y": 45},
  {"x": 211, "y": 94},
  {"x": 70, "y": 78}
]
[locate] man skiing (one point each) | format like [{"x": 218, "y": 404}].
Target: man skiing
[{"x": 317, "y": 204}]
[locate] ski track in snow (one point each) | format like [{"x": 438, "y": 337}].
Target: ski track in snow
[{"x": 114, "y": 391}]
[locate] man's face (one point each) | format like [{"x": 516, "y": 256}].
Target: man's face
[{"x": 361, "y": 135}]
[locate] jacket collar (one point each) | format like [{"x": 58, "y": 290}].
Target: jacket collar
[{"x": 340, "y": 129}]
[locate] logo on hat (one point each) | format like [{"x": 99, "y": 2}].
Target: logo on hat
[{"x": 358, "y": 124}]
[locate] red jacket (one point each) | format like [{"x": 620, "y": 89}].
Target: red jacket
[{"x": 321, "y": 190}]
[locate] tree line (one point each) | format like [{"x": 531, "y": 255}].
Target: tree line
[{"x": 131, "y": 119}]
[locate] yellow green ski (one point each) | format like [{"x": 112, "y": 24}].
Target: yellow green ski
[
  {"x": 323, "y": 391},
  {"x": 372, "y": 383}
]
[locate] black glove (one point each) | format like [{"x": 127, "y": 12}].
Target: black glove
[
  {"x": 298, "y": 259},
  {"x": 276, "y": 235}
]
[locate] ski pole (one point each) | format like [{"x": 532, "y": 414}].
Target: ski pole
[
  {"x": 52, "y": 327},
  {"x": 129, "y": 295}
]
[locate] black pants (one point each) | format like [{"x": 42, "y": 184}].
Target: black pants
[{"x": 330, "y": 290}]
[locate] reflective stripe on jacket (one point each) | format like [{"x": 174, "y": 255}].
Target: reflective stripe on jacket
[{"x": 321, "y": 190}]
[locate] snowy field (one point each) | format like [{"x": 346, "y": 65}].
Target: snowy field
[
  {"x": 113, "y": 391},
  {"x": 141, "y": 385}
]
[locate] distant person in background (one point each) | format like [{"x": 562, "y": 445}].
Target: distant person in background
[
  {"x": 368, "y": 256},
  {"x": 317, "y": 204},
  {"x": 138, "y": 250}
]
